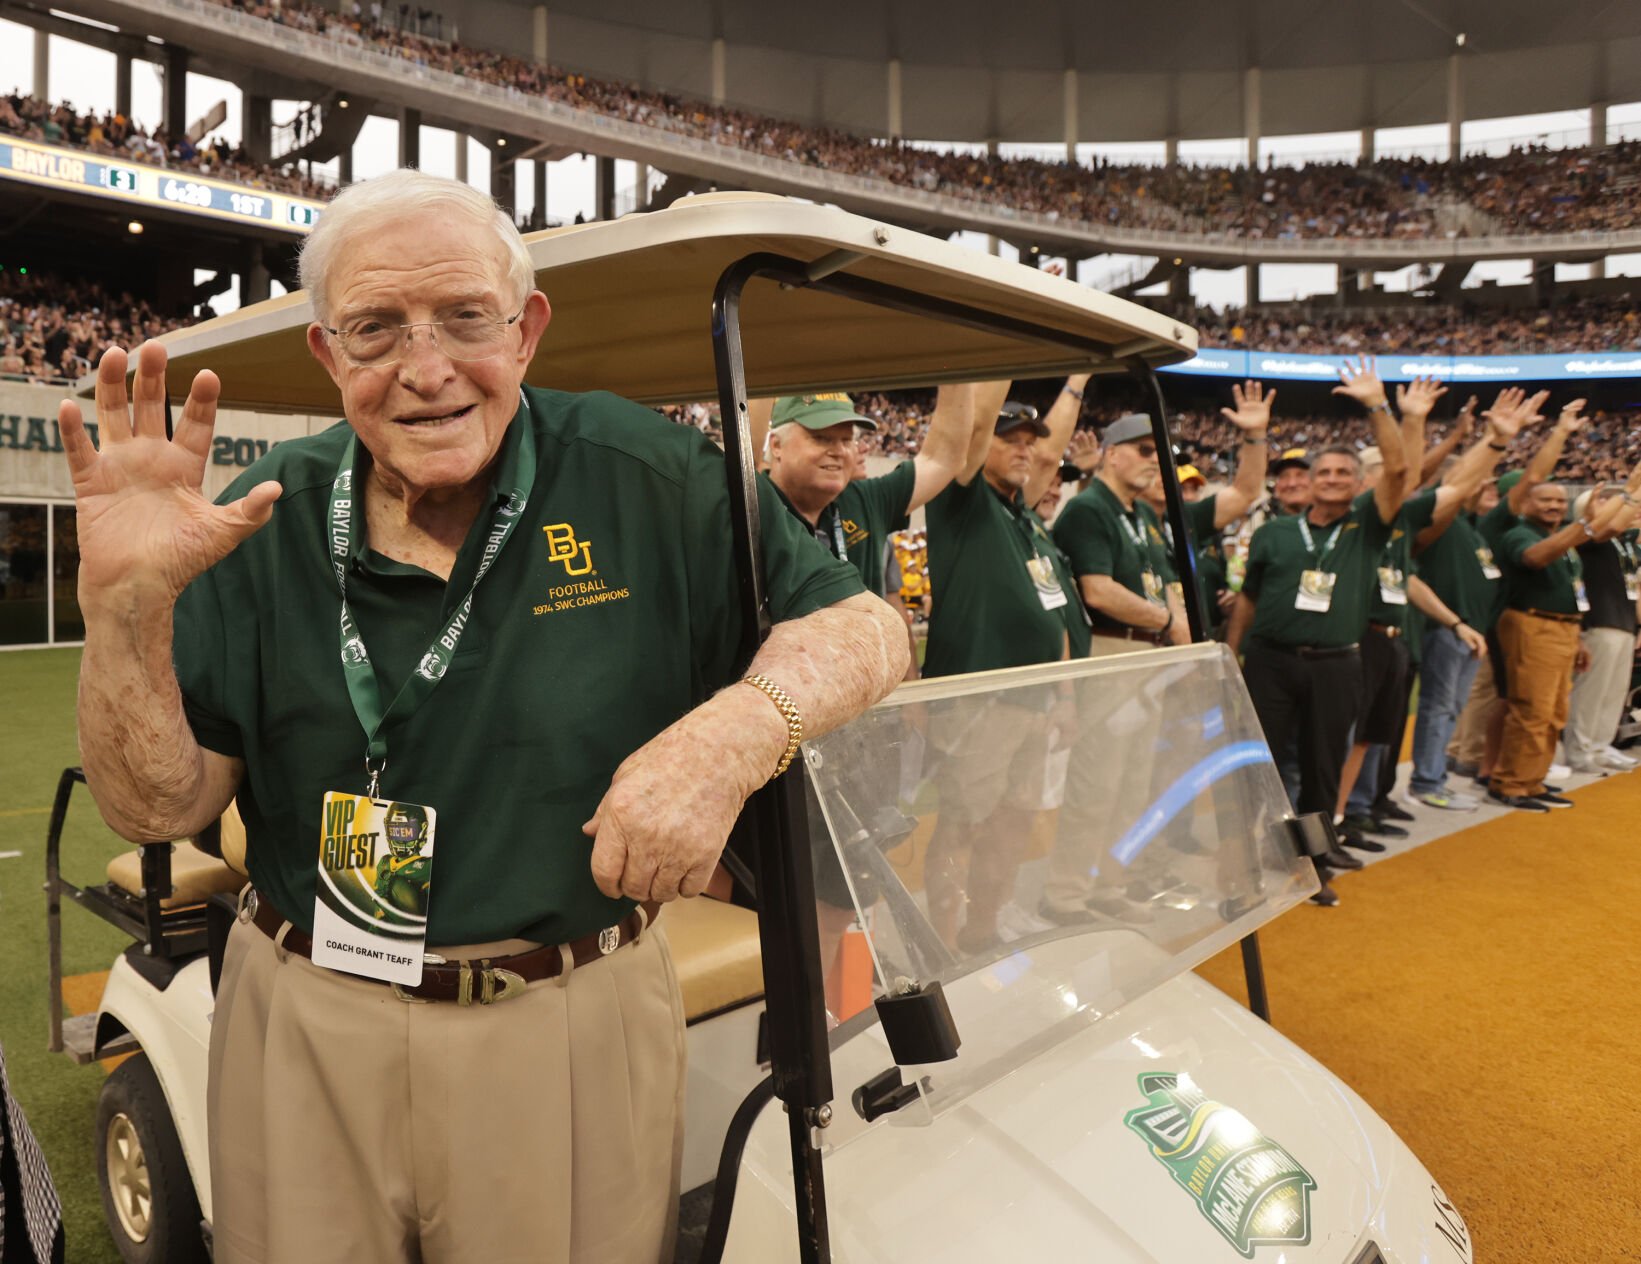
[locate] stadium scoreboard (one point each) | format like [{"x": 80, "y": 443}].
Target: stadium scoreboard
[{"x": 141, "y": 186}]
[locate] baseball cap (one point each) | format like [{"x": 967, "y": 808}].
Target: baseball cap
[
  {"x": 1507, "y": 481},
  {"x": 1014, "y": 415},
  {"x": 1371, "y": 456},
  {"x": 1129, "y": 428},
  {"x": 1289, "y": 459},
  {"x": 817, "y": 412},
  {"x": 1188, "y": 472}
]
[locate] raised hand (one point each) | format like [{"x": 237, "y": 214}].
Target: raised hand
[
  {"x": 1360, "y": 381},
  {"x": 1418, "y": 397},
  {"x": 145, "y": 527},
  {"x": 1253, "y": 407},
  {"x": 1084, "y": 450},
  {"x": 1466, "y": 420},
  {"x": 1514, "y": 410},
  {"x": 1570, "y": 421}
]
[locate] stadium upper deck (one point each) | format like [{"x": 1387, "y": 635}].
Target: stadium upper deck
[{"x": 1569, "y": 205}]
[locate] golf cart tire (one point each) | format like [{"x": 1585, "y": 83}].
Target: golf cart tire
[{"x": 132, "y": 1103}]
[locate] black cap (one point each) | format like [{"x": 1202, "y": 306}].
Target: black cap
[{"x": 1016, "y": 415}]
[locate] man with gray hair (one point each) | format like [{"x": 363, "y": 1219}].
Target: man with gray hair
[{"x": 499, "y": 626}]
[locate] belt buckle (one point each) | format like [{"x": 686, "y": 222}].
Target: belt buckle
[
  {"x": 511, "y": 983},
  {"x": 609, "y": 939},
  {"x": 248, "y": 909}
]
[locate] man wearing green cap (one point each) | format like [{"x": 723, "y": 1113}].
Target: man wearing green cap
[{"x": 812, "y": 450}]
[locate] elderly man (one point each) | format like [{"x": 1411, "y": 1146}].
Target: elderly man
[
  {"x": 1612, "y": 582},
  {"x": 1540, "y": 633},
  {"x": 1304, "y": 606},
  {"x": 497, "y": 616}
]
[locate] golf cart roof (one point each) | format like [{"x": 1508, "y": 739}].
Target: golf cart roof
[{"x": 631, "y": 302}]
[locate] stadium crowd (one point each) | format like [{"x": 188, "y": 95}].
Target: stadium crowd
[
  {"x": 114, "y": 135},
  {"x": 1530, "y": 190},
  {"x": 55, "y": 329}
]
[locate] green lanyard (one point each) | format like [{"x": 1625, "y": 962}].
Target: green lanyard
[
  {"x": 517, "y": 476},
  {"x": 1310, "y": 543}
]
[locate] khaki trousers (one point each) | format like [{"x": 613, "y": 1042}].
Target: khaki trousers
[
  {"x": 1539, "y": 656},
  {"x": 1469, "y": 744},
  {"x": 350, "y": 1127},
  {"x": 1597, "y": 702}
]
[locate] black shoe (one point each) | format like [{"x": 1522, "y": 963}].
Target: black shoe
[
  {"x": 1385, "y": 810},
  {"x": 1551, "y": 799},
  {"x": 1368, "y": 825},
  {"x": 1326, "y": 896},
  {"x": 1518, "y": 801},
  {"x": 1339, "y": 858},
  {"x": 1549, "y": 789},
  {"x": 1361, "y": 843}
]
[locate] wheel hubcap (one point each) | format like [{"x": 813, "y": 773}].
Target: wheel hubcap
[{"x": 128, "y": 1183}]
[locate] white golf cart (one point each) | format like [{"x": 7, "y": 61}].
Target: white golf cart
[{"x": 1010, "y": 1086}]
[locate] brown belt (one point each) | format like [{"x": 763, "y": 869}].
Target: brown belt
[
  {"x": 1387, "y": 630},
  {"x": 484, "y": 981},
  {"x": 1555, "y": 615},
  {"x": 1125, "y": 633}
]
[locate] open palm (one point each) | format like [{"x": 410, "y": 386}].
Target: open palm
[{"x": 144, "y": 524}]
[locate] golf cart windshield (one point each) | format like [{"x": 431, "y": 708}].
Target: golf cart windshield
[{"x": 1049, "y": 843}]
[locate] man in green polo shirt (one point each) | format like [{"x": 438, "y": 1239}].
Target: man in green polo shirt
[
  {"x": 513, "y": 611},
  {"x": 1539, "y": 630},
  {"x": 1003, "y": 597},
  {"x": 1304, "y": 604}
]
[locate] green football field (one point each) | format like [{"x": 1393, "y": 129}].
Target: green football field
[{"x": 36, "y": 743}]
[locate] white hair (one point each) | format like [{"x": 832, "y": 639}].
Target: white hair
[{"x": 394, "y": 196}]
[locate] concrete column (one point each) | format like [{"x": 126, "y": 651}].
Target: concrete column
[
  {"x": 896, "y": 126},
  {"x": 410, "y": 137},
  {"x": 541, "y": 191},
  {"x": 461, "y": 156},
  {"x": 1598, "y": 270},
  {"x": 1598, "y": 126},
  {"x": 1069, "y": 96},
  {"x": 1250, "y": 113},
  {"x": 538, "y": 33},
  {"x": 1170, "y": 151},
  {"x": 176, "y": 89},
  {"x": 993, "y": 246},
  {"x": 1253, "y": 284},
  {"x": 253, "y": 275},
  {"x": 344, "y": 165},
  {"x": 504, "y": 180},
  {"x": 257, "y": 113},
  {"x": 640, "y": 185},
  {"x": 1179, "y": 286},
  {"x": 1370, "y": 137},
  {"x": 604, "y": 188},
  {"x": 42, "y": 65},
  {"x": 720, "y": 79},
  {"x": 122, "y": 84},
  {"x": 1455, "y": 107}
]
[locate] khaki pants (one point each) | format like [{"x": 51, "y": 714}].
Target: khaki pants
[
  {"x": 1597, "y": 702},
  {"x": 1539, "y": 656},
  {"x": 350, "y": 1127},
  {"x": 1469, "y": 744}
]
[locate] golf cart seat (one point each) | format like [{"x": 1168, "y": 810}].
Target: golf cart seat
[
  {"x": 715, "y": 951},
  {"x": 213, "y": 863}
]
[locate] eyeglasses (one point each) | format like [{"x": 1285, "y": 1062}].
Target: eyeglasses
[
  {"x": 1146, "y": 450},
  {"x": 465, "y": 334}
]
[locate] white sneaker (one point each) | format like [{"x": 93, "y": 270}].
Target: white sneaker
[
  {"x": 1452, "y": 800},
  {"x": 1015, "y": 922},
  {"x": 1559, "y": 772},
  {"x": 1615, "y": 759}
]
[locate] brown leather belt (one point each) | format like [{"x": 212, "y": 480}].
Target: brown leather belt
[
  {"x": 1387, "y": 630},
  {"x": 1554, "y": 615},
  {"x": 1123, "y": 632},
  {"x": 479, "y": 982}
]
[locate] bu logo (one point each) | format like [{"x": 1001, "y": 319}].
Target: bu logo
[{"x": 562, "y": 547}]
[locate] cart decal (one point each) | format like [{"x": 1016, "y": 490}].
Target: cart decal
[{"x": 1247, "y": 1186}]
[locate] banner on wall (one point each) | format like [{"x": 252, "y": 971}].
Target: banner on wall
[
  {"x": 1281, "y": 366},
  {"x": 32, "y": 464}
]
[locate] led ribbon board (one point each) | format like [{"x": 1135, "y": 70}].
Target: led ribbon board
[
  {"x": 140, "y": 186},
  {"x": 1273, "y": 366}
]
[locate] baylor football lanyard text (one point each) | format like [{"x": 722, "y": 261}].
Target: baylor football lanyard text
[{"x": 518, "y": 475}]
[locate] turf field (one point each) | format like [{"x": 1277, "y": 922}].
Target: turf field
[{"x": 37, "y": 742}]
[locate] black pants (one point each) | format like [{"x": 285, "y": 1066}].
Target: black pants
[{"x": 1317, "y": 699}]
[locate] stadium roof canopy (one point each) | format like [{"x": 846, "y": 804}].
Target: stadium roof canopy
[{"x": 996, "y": 69}]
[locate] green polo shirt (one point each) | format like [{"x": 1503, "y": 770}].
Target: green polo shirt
[
  {"x": 987, "y": 613},
  {"x": 611, "y": 611},
  {"x": 1100, "y": 537},
  {"x": 1078, "y": 630},
  {"x": 1454, "y": 565},
  {"x": 863, "y": 516},
  {"x": 1210, "y": 555},
  {"x": 1551, "y": 588},
  {"x": 1277, "y": 555},
  {"x": 1397, "y": 559}
]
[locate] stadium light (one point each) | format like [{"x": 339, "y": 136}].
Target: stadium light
[
  {"x": 1460, "y": 39},
  {"x": 501, "y": 143},
  {"x": 342, "y": 104},
  {"x": 134, "y": 227}
]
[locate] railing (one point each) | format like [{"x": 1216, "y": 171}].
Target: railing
[{"x": 868, "y": 192}]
